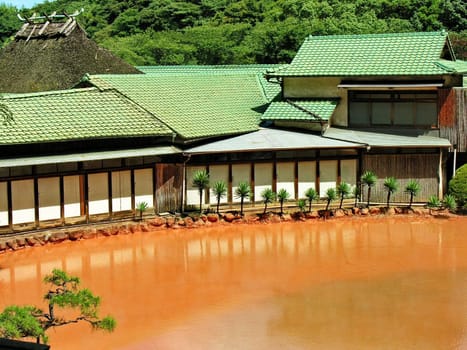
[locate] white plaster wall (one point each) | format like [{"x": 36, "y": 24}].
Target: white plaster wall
[
  {"x": 144, "y": 187},
  {"x": 240, "y": 173},
  {"x": 306, "y": 177},
  {"x": 263, "y": 179},
  {"x": 3, "y": 204},
  {"x": 22, "y": 192},
  {"x": 218, "y": 173},
  {"x": 121, "y": 190},
  {"x": 72, "y": 196},
  {"x": 324, "y": 87},
  {"x": 49, "y": 198},
  {"x": 98, "y": 193},
  {"x": 286, "y": 177},
  {"x": 192, "y": 194},
  {"x": 327, "y": 176},
  {"x": 349, "y": 171}
]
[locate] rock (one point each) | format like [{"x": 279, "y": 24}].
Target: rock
[
  {"x": 356, "y": 210},
  {"x": 32, "y": 241},
  {"x": 391, "y": 211},
  {"x": 157, "y": 222},
  {"x": 286, "y": 217},
  {"x": 325, "y": 214},
  {"x": 3, "y": 246},
  {"x": 143, "y": 228},
  {"x": 375, "y": 211},
  {"x": 58, "y": 237},
  {"x": 204, "y": 218},
  {"x": 12, "y": 244},
  {"x": 104, "y": 232},
  {"x": 338, "y": 213},
  {"x": 170, "y": 222},
  {"x": 399, "y": 210},
  {"x": 88, "y": 234},
  {"x": 181, "y": 222},
  {"x": 274, "y": 219},
  {"x": 21, "y": 241},
  {"x": 213, "y": 217},
  {"x": 299, "y": 216},
  {"x": 75, "y": 235},
  {"x": 188, "y": 221},
  {"x": 229, "y": 217},
  {"x": 312, "y": 215},
  {"x": 364, "y": 211}
]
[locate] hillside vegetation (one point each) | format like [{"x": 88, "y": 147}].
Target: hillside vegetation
[{"x": 163, "y": 32}]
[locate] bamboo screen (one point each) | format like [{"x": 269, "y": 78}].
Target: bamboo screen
[{"x": 404, "y": 167}]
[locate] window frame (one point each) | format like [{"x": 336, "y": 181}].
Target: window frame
[{"x": 394, "y": 98}]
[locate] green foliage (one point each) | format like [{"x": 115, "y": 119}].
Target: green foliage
[
  {"x": 18, "y": 322},
  {"x": 282, "y": 196},
  {"x": 369, "y": 179},
  {"x": 201, "y": 182},
  {"x": 268, "y": 196},
  {"x": 433, "y": 202},
  {"x": 220, "y": 191},
  {"x": 243, "y": 191},
  {"x": 28, "y": 321},
  {"x": 331, "y": 195},
  {"x": 235, "y": 32},
  {"x": 343, "y": 190},
  {"x": 356, "y": 192},
  {"x": 449, "y": 202},
  {"x": 412, "y": 188},
  {"x": 391, "y": 185},
  {"x": 302, "y": 205},
  {"x": 142, "y": 207},
  {"x": 311, "y": 195},
  {"x": 458, "y": 186}
]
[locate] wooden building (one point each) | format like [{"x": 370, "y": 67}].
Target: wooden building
[{"x": 387, "y": 103}]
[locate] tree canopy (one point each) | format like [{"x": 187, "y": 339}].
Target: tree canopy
[{"x": 149, "y": 32}]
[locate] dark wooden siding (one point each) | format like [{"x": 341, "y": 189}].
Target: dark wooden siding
[
  {"x": 169, "y": 187},
  {"x": 453, "y": 116},
  {"x": 404, "y": 167}
]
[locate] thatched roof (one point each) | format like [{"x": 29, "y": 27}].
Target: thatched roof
[{"x": 54, "y": 56}]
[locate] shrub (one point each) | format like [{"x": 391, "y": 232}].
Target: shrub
[{"x": 458, "y": 186}]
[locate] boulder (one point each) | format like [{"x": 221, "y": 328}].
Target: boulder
[
  {"x": 375, "y": 211},
  {"x": 213, "y": 217},
  {"x": 188, "y": 221},
  {"x": 338, "y": 213},
  {"x": 157, "y": 222},
  {"x": 88, "y": 234},
  {"x": 364, "y": 211},
  {"x": 58, "y": 237},
  {"x": 75, "y": 235},
  {"x": 229, "y": 217}
]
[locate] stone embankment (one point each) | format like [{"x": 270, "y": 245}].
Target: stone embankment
[{"x": 58, "y": 235}]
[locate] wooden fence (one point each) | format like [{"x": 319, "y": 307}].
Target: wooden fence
[{"x": 453, "y": 116}]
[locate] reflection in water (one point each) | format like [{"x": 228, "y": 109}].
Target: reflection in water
[{"x": 353, "y": 284}]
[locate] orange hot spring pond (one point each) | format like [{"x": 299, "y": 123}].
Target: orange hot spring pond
[{"x": 376, "y": 283}]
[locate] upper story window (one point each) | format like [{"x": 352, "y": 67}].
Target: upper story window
[{"x": 393, "y": 108}]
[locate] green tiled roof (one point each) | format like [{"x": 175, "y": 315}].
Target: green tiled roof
[
  {"x": 195, "y": 105},
  {"x": 457, "y": 66},
  {"x": 271, "y": 90},
  {"x": 75, "y": 115},
  {"x": 302, "y": 110},
  {"x": 369, "y": 55}
]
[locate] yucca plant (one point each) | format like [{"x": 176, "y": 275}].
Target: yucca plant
[
  {"x": 282, "y": 196},
  {"x": 311, "y": 195},
  {"x": 391, "y": 185},
  {"x": 243, "y": 192},
  {"x": 412, "y": 188},
  {"x": 219, "y": 190},
  {"x": 433, "y": 202},
  {"x": 268, "y": 197},
  {"x": 369, "y": 179},
  {"x": 331, "y": 195},
  {"x": 356, "y": 194},
  {"x": 449, "y": 202},
  {"x": 302, "y": 205},
  {"x": 343, "y": 190},
  {"x": 141, "y": 207},
  {"x": 201, "y": 182}
]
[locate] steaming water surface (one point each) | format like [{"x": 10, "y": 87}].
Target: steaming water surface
[{"x": 398, "y": 283}]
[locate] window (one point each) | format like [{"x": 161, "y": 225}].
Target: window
[{"x": 395, "y": 108}]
